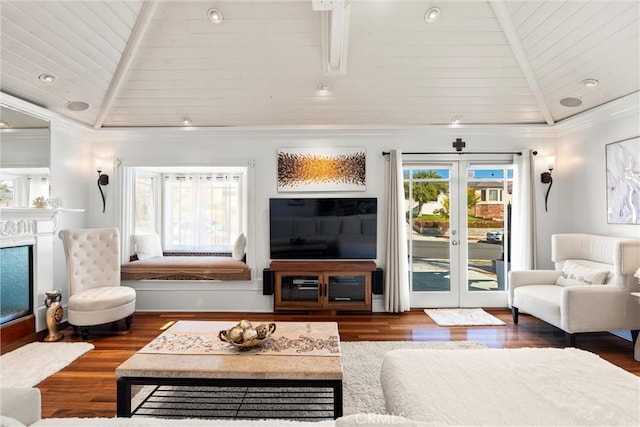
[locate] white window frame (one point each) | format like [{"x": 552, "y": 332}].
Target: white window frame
[{"x": 125, "y": 197}]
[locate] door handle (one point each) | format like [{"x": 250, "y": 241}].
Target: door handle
[{"x": 454, "y": 242}]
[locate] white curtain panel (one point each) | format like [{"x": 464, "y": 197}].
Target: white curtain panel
[
  {"x": 124, "y": 205},
  {"x": 523, "y": 214},
  {"x": 396, "y": 275}
]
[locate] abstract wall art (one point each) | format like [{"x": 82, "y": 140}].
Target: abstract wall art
[
  {"x": 623, "y": 181},
  {"x": 322, "y": 169}
]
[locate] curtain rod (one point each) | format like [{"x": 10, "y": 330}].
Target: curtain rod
[{"x": 519, "y": 153}]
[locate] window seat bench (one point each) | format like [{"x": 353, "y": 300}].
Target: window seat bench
[{"x": 186, "y": 266}]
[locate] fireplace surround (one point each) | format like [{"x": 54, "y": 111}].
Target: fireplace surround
[{"x": 37, "y": 228}]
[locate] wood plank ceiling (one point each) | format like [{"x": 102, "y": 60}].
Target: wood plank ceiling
[{"x": 154, "y": 63}]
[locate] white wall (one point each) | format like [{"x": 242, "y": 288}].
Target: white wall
[
  {"x": 581, "y": 168},
  {"x": 243, "y": 146},
  {"x": 70, "y": 180}
]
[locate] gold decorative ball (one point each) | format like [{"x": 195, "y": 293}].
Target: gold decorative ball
[{"x": 245, "y": 324}]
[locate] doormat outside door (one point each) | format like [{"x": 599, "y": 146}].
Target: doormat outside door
[{"x": 462, "y": 317}]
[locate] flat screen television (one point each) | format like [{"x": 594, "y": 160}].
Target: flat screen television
[{"x": 323, "y": 228}]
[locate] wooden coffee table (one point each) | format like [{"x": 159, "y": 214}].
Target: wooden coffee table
[{"x": 236, "y": 368}]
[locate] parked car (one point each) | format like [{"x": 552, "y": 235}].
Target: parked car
[{"x": 494, "y": 237}]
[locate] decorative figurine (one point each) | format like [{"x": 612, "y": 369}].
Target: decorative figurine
[
  {"x": 39, "y": 202},
  {"x": 54, "y": 314}
]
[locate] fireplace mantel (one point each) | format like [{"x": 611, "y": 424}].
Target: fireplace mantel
[
  {"x": 17, "y": 224},
  {"x": 33, "y": 213}
]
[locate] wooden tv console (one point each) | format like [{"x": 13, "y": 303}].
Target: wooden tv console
[{"x": 322, "y": 285}]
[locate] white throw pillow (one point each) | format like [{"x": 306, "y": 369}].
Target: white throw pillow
[
  {"x": 574, "y": 274},
  {"x": 239, "y": 247},
  {"x": 147, "y": 245}
]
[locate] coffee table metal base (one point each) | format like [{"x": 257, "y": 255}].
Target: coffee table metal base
[{"x": 125, "y": 384}]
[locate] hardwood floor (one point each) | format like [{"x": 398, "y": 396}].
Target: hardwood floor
[{"x": 87, "y": 387}]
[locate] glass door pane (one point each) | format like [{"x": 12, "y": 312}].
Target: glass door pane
[
  {"x": 430, "y": 202},
  {"x": 300, "y": 288},
  {"x": 346, "y": 288},
  {"x": 488, "y": 207}
]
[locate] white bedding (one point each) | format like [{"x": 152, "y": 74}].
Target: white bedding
[{"x": 508, "y": 387}]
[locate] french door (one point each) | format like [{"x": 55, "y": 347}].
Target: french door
[{"x": 458, "y": 216}]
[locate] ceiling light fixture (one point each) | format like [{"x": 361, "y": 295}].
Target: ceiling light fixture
[
  {"x": 589, "y": 83},
  {"x": 47, "y": 78},
  {"x": 456, "y": 120},
  {"x": 570, "y": 102},
  {"x": 186, "y": 121},
  {"x": 215, "y": 16},
  {"x": 77, "y": 105},
  {"x": 323, "y": 88},
  {"x": 432, "y": 15}
]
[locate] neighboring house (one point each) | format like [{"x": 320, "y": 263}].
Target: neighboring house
[{"x": 491, "y": 197}]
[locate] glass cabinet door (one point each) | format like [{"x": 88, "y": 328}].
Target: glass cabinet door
[
  {"x": 346, "y": 288},
  {"x": 300, "y": 288}
]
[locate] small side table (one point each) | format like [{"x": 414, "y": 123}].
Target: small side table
[{"x": 636, "y": 349}]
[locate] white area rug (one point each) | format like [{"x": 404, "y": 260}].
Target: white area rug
[
  {"x": 462, "y": 317},
  {"x": 28, "y": 365},
  {"x": 361, "y": 362}
]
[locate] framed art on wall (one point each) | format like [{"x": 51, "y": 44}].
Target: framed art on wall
[
  {"x": 623, "y": 181},
  {"x": 322, "y": 169}
]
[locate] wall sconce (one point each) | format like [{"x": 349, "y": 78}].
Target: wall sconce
[
  {"x": 103, "y": 179},
  {"x": 546, "y": 178}
]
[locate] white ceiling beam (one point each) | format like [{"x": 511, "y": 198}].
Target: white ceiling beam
[
  {"x": 504, "y": 19},
  {"x": 335, "y": 36},
  {"x": 137, "y": 34}
]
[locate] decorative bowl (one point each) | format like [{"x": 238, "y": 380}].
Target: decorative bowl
[{"x": 250, "y": 337}]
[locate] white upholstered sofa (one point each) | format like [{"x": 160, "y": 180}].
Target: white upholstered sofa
[{"x": 569, "y": 298}]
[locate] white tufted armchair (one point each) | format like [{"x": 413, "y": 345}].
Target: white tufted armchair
[{"x": 93, "y": 272}]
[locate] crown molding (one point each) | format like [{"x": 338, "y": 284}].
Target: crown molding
[
  {"x": 626, "y": 106},
  {"x": 514, "y": 130}
]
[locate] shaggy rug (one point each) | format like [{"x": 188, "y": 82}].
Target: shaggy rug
[
  {"x": 28, "y": 365},
  {"x": 462, "y": 317}
]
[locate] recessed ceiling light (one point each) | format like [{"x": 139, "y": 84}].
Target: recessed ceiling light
[
  {"x": 589, "y": 83},
  {"x": 215, "y": 16},
  {"x": 47, "y": 78},
  {"x": 323, "y": 88},
  {"x": 570, "y": 102},
  {"x": 432, "y": 15},
  {"x": 186, "y": 121},
  {"x": 456, "y": 120},
  {"x": 4, "y": 125},
  {"x": 77, "y": 105}
]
